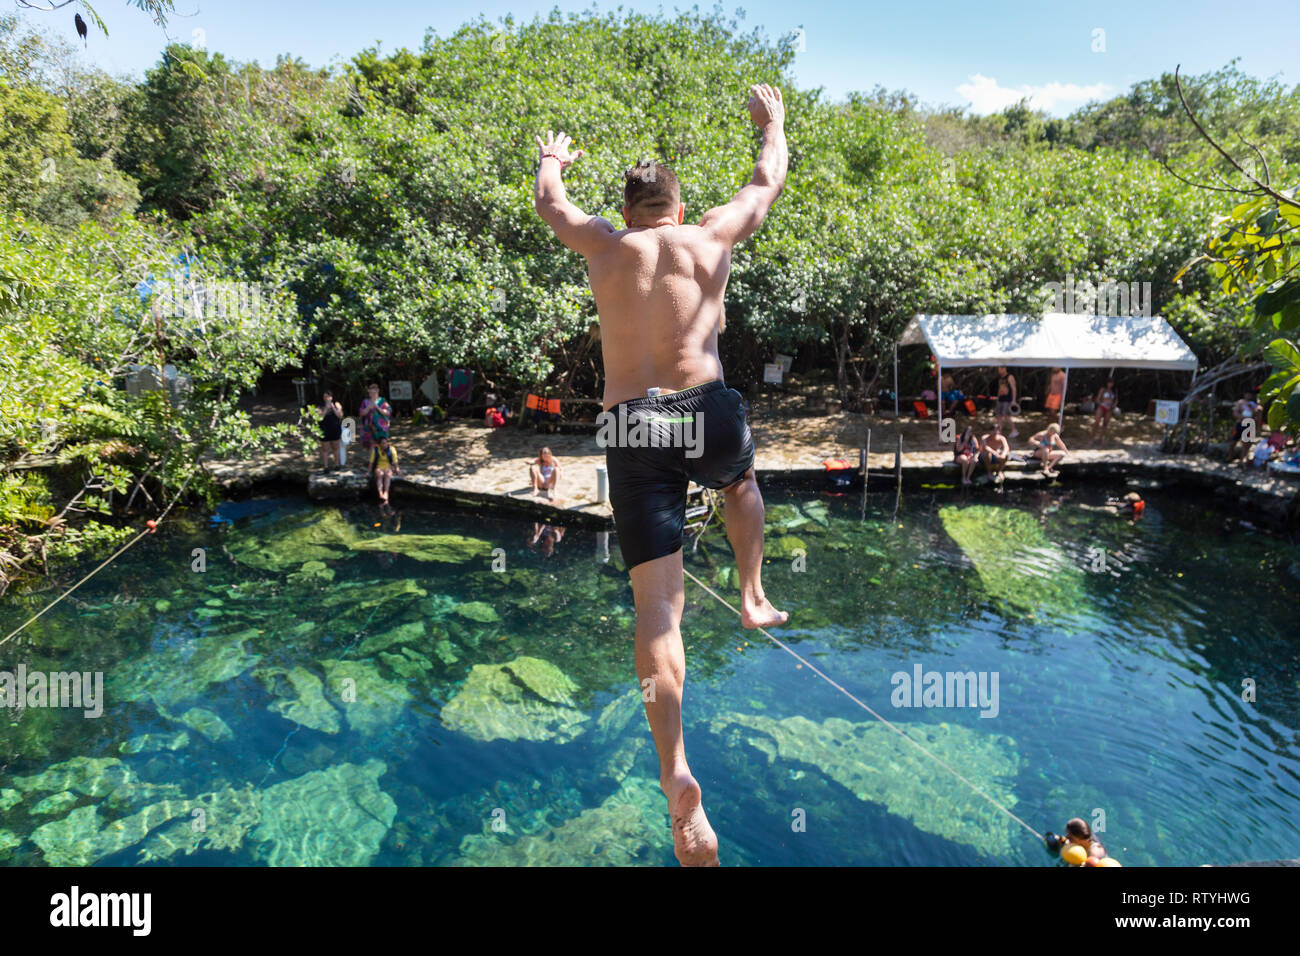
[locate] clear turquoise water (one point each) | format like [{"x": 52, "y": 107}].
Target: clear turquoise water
[{"x": 1119, "y": 690}]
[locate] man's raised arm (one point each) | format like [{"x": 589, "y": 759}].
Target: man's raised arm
[
  {"x": 738, "y": 219},
  {"x": 580, "y": 232}
]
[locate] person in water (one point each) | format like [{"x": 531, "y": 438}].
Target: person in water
[
  {"x": 330, "y": 414},
  {"x": 1107, "y": 398},
  {"x": 544, "y": 474},
  {"x": 1078, "y": 833},
  {"x": 383, "y": 465},
  {"x": 995, "y": 450},
  {"x": 1006, "y": 398},
  {"x": 658, "y": 286},
  {"x": 966, "y": 451},
  {"x": 1049, "y": 448},
  {"x": 1132, "y": 505}
]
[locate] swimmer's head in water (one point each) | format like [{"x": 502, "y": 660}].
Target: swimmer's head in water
[
  {"x": 651, "y": 191},
  {"x": 1078, "y": 829}
]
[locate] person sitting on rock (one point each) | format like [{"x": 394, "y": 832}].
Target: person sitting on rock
[
  {"x": 544, "y": 474},
  {"x": 995, "y": 451},
  {"x": 383, "y": 465}
]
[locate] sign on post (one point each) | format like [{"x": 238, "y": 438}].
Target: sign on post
[
  {"x": 399, "y": 391},
  {"x": 773, "y": 372},
  {"x": 1167, "y": 412}
]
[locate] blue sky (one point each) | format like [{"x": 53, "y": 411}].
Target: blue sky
[{"x": 984, "y": 54}]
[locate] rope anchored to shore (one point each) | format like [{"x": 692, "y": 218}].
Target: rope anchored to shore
[
  {"x": 150, "y": 527},
  {"x": 891, "y": 726}
]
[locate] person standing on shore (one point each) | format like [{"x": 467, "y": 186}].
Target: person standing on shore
[{"x": 330, "y": 414}]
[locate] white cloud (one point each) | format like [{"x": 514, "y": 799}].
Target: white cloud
[{"x": 986, "y": 95}]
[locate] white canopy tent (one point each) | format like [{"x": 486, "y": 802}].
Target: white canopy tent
[{"x": 1054, "y": 339}]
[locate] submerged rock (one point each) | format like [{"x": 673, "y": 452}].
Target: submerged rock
[
  {"x": 312, "y": 573},
  {"x": 319, "y": 536},
  {"x": 412, "y": 632},
  {"x": 9, "y": 799},
  {"x": 207, "y": 723},
  {"x": 544, "y": 679},
  {"x": 444, "y": 548},
  {"x": 91, "y": 776},
  {"x": 616, "y": 715},
  {"x": 1015, "y": 561},
  {"x": 478, "y": 611},
  {"x": 175, "y": 673},
  {"x": 524, "y": 699},
  {"x": 818, "y": 511},
  {"x": 628, "y": 828},
  {"x": 8, "y": 840},
  {"x": 408, "y": 664},
  {"x": 359, "y": 597},
  {"x": 370, "y": 703},
  {"x": 782, "y": 518},
  {"x": 874, "y": 764},
  {"x": 309, "y": 706},
  {"x": 784, "y": 546},
  {"x": 55, "y": 803},
  {"x": 213, "y": 821},
  {"x": 82, "y": 837},
  {"x": 147, "y": 743},
  {"x": 334, "y": 817}
]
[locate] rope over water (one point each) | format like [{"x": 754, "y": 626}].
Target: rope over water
[
  {"x": 152, "y": 527},
  {"x": 855, "y": 700}
]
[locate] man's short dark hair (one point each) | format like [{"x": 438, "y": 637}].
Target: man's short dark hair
[{"x": 651, "y": 187}]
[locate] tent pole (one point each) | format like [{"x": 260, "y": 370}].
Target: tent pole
[
  {"x": 1060, "y": 419},
  {"x": 938, "y": 393},
  {"x": 895, "y": 383}
]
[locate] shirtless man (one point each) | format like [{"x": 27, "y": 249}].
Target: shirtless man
[
  {"x": 658, "y": 286},
  {"x": 995, "y": 450}
]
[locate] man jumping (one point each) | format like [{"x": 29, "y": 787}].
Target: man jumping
[{"x": 658, "y": 286}]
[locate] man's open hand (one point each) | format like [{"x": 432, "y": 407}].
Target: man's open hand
[
  {"x": 765, "y": 105},
  {"x": 557, "y": 146}
]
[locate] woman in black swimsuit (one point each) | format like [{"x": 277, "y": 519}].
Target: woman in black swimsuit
[{"x": 330, "y": 414}]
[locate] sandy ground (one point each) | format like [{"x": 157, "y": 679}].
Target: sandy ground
[{"x": 465, "y": 456}]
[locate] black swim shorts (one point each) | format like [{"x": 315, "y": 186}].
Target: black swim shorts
[{"x": 654, "y": 447}]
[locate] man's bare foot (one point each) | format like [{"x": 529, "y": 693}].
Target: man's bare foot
[
  {"x": 694, "y": 842},
  {"x": 759, "y": 612}
]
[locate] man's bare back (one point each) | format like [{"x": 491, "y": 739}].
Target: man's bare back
[
  {"x": 659, "y": 287},
  {"x": 659, "y": 294},
  {"x": 659, "y": 283}
]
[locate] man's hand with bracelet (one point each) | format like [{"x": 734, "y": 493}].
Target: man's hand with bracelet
[{"x": 557, "y": 147}]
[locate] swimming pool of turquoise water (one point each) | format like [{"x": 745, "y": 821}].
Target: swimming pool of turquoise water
[{"x": 341, "y": 687}]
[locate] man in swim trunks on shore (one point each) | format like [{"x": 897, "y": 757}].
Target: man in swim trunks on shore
[{"x": 658, "y": 286}]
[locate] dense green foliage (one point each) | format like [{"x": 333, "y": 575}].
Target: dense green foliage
[{"x": 384, "y": 213}]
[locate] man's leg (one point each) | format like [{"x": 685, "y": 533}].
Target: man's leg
[
  {"x": 744, "y": 523},
  {"x": 659, "y": 593}
]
